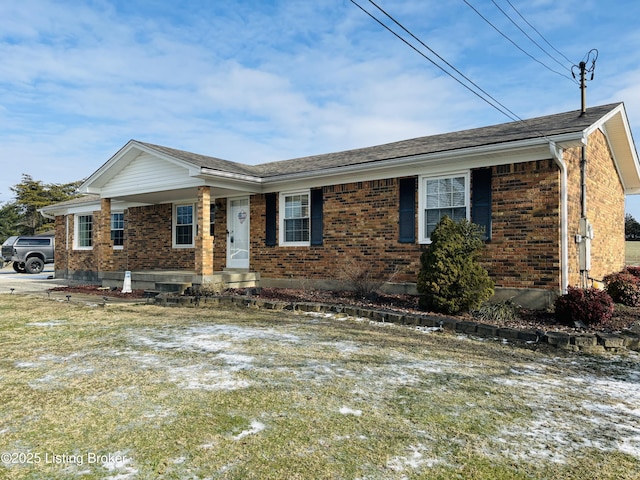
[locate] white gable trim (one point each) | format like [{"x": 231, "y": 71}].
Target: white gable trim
[{"x": 130, "y": 153}]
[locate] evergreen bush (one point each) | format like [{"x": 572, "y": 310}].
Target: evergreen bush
[
  {"x": 589, "y": 306},
  {"x": 451, "y": 279},
  {"x": 623, "y": 288}
]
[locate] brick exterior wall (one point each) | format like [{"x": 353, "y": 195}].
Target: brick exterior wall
[
  {"x": 605, "y": 209},
  {"x": 148, "y": 242},
  {"x": 360, "y": 224},
  {"x": 524, "y": 251},
  {"x": 147, "y": 245},
  {"x": 79, "y": 264}
]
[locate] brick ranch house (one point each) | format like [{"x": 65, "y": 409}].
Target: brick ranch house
[{"x": 172, "y": 216}]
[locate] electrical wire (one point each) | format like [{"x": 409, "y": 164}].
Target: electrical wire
[
  {"x": 527, "y": 35},
  {"x": 536, "y": 30},
  {"x": 439, "y": 57},
  {"x": 504, "y": 110},
  {"x": 498, "y": 106},
  {"x": 514, "y": 43}
]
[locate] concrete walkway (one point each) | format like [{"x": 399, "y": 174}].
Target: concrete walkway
[{"x": 39, "y": 285}]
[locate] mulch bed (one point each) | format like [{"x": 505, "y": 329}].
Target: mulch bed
[{"x": 624, "y": 317}]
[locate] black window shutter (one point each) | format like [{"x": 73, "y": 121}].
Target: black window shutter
[
  {"x": 270, "y": 219},
  {"x": 481, "y": 200},
  {"x": 407, "y": 210},
  {"x": 316, "y": 216}
]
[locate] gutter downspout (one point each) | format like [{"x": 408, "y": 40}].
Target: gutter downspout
[
  {"x": 48, "y": 216},
  {"x": 557, "y": 153}
]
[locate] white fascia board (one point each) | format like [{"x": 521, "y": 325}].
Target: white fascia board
[
  {"x": 88, "y": 207},
  {"x": 619, "y": 110},
  {"x": 232, "y": 181},
  {"x": 210, "y": 172},
  {"x": 438, "y": 163}
]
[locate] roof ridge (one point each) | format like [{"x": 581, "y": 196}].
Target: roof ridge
[{"x": 536, "y": 127}]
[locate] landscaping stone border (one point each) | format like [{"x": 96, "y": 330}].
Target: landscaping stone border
[{"x": 577, "y": 342}]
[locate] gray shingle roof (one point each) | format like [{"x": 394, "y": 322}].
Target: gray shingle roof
[
  {"x": 205, "y": 161},
  {"x": 549, "y": 125}
]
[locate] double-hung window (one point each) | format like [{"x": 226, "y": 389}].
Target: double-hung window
[
  {"x": 183, "y": 226},
  {"x": 295, "y": 219},
  {"x": 440, "y": 196},
  {"x": 117, "y": 229},
  {"x": 84, "y": 232}
]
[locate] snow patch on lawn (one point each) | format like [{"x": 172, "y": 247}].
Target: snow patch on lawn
[
  {"x": 414, "y": 460},
  {"x": 210, "y": 338},
  {"x": 120, "y": 464},
  {"x": 350, "y": 411},
  {"x": 202, "y": 377},
  {"x": 572, "y": 412},
  {"x": 50, "y": 323},
  {"x": 256, "y": 427}
]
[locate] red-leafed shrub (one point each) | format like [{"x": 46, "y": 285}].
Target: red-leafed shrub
[
  {"x": 633, "y": 270},
  {"x": 623, "y": 288},
  {"x": 589, "y": 306}
]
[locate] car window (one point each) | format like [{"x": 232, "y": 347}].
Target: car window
[
  {"x": 10, "y": 240},
  {"x": 34, "y": 242}
]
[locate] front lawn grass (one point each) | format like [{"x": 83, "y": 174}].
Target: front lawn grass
[{"x": 139, "y": 391}]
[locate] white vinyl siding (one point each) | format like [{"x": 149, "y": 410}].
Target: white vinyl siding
[
  {"x": 148, "y": 173},
  {"x": 440, "y": 196}
]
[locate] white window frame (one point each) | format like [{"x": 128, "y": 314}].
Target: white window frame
[
  {"x": 422, "y": 203},
  {"x": 76, "y": 231},
  {"x": 111, "y": 229},
  {"x": 282, "y": 218},
  {"x": 174, "y": 227}
]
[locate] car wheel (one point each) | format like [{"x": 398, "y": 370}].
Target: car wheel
[
  {"x": 18, "y": 267},
  {"x": 34, "y": 265}
]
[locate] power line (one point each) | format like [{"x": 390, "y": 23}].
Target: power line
[
  {"x": 514, "y": 43},
  {"x": 536, "y": 30},
  {"x": 440, "y": 58},
  {"x": 504, "y": 110},
  {"x": 526, "y": 34}
]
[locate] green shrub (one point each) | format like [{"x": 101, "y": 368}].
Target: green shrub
[
  {"x": 623, "y": 288},
  {"x": 451, "y": 279},
  {"x": 590, "y": 306}
]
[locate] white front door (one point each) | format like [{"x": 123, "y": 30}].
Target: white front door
[{"x": 238, "y": 236}]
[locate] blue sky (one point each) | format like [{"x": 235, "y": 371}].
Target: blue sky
[{"x": 255, "y": 80}]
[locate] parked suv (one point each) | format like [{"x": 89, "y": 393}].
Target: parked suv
[{"x": 28, "y": 254}]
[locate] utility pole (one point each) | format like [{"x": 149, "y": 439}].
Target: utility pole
[
  {"x": 585, "y": 229},
  {"x": 582, "y": 67}
]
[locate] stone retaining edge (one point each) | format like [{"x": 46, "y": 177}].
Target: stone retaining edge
[{"x": 577, "y": 342}]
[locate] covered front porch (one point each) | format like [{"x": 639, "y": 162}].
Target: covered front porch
[{"x": 177, "y": 281}]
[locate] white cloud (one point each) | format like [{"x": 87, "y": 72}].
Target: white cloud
[{"x": 255, "y": 81}]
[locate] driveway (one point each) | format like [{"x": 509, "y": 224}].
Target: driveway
[{"x": 25, "y": 283}]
